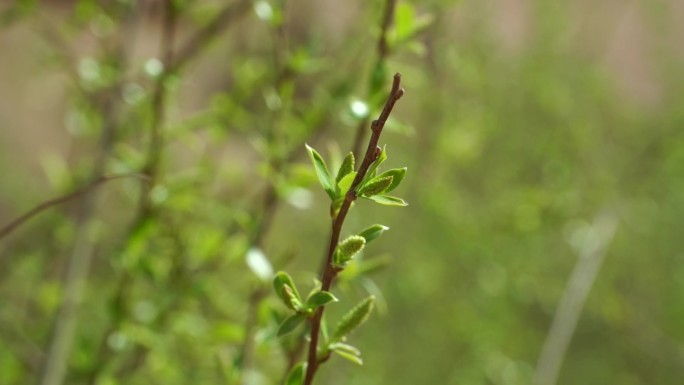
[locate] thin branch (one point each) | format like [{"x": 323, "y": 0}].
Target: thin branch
[
  {"x": 591, "y": 255},
  {"x": 330, "y": 272},
  {"x": 13, "y": 225}
]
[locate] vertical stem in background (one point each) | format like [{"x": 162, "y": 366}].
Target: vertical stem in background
[
  {"x": 383, "y": 52},
  {"x": 270, "y": 200},
  {"x": 154, "y": 151},
  {"x": 330, "y": 271},
  {"x": 151, "y": 170},
  {"x": 74, "y": 282},
  {"x": 591, "y": 252}
]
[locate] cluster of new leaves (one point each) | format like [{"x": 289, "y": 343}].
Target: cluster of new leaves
[{"x": 373, "y": 186}]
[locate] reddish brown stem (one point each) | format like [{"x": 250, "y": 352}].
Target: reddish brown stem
[{"x": 330, "y": 271}]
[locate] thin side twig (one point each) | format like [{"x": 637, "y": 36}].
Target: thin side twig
[{"x": 20, "y": 220}]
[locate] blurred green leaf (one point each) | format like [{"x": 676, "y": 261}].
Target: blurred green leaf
[
  {"x": 320, "y": 298},
  {"x": 354, "y": 318},
  {"x": 377, "y": 83},
  {"x": 290, "y": 323},
  {"x": 346, "y": 351},
  {"x": 296, "y": 375}
]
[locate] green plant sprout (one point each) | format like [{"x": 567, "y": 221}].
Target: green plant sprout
[{"x": 343, "y": 189}]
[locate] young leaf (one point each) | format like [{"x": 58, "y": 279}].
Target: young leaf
[
  {"x": 286, "y": 290},
  {"x": 354, "y": 318},
  {"x": 388, "y": 200},
  {"x": 346, "y": 167},
  {"x": 347, "y": 249},
  {"x": 375, "y": 186},
  {"x": 322, "y": 172},
  {"x": 346, "y": 351},
  {"x": 355, "y": 359},
  {"x": 397, "y": 175},
  {"x": 345, "y": 183},
  {"x": 381, "y": 158},
  {"x": 373, "y": 232},
  {"x": 344, "y": 348},
  {"x": 290, "y": 324},
  {"x": 296, "y": 376},
  {"x": 319, "y": 299}
]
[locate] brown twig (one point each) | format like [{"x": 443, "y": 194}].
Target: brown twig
[
  {"x": 13, "y": 225},
  {"x": 330, "y": 271}
]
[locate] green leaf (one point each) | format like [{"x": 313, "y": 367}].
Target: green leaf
[
  {"x": 375, "y": 186},
  {"x": 346, "y": 168},
  {"x": 346, "y": 355},
  {"x": 346, "y": 351},
  {"x": 322, "y": 172},
  {"x": 403, "y": 22},
  {"x": 296, "y": 375},
  {"x": 354, "y": 318},
  {"x": 388, "y": 200},
  {"x": 372, "y": 232},
  {"x": 397, "y": 175},
  {"x": 345, "y": 183},
  {"x": 339, "y": 346},
  {"x": 320, "y": 298},
  {"x": 290, "y": 324},
  {"x": 286, "y": 290},
  {"x": 347, "y": 249}
]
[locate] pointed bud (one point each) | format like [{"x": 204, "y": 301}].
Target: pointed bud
[
  {"x": 346, "y": 167},
  {"x": 376, "y": 186},
  {"x": 347, "y": 249}
]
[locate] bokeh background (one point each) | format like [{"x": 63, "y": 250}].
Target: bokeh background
[{"x": 545, "y": 147}]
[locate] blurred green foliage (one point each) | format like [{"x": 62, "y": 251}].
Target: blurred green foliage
[{"x": 511, "y": 153}]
